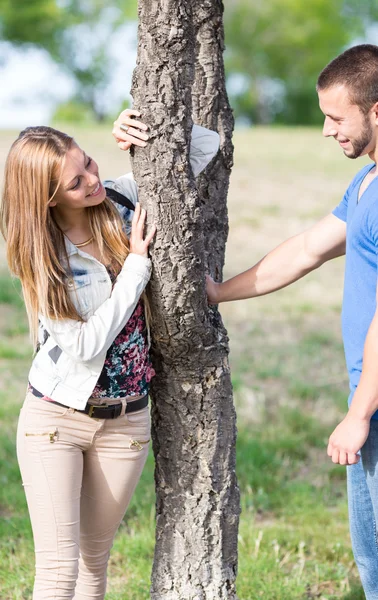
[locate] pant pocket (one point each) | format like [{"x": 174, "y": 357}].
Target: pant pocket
[
  {"x": 138, "y": 444},
  {"x": 41, "y": 407},
  {"x": 52, "y": 435}
]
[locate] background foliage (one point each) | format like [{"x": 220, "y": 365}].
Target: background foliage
[
  {"x": 286, "y": 43},
  {"x": 274, "y": 49}
]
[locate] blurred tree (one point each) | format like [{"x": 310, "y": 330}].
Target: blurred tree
[
  {"x": 38, "y": 22},
  {"x": 85, "y": 46},
  {"x": 280, "y": 46},
  {"x": 73, "y": 111},
  {"x": 275, "y": 48},
  {"x": 367, "y": 10},
  {"x": 42, "y": 22},
  {"x": 77, "y": 34}
]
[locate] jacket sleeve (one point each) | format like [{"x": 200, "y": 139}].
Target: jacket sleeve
[
  {"x": 90, "y": 340},
  {"x": 203, "y": 147}
]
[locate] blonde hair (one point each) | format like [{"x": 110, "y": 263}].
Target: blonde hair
[{"x": 35, "y": 243}]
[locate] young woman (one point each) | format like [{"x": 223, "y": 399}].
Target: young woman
[{"x": 83, "y": 431}]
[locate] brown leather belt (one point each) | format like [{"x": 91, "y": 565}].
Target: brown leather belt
[{"x": 103, "y": 411}]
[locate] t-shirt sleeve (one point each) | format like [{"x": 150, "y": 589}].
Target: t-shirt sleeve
[{"x": 341, "y": 210}]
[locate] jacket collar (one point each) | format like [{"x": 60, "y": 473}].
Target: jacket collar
[{"x": 70, "y": 247}]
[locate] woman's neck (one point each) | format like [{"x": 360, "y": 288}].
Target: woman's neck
[{"x": 72, "y": 220}]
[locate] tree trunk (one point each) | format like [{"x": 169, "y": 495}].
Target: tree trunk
[
  {"x": 197, "y": 506},
  {"x": 211, "y": 109}
]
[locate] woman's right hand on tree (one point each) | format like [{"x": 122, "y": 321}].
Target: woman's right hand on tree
[{"x": 138, "y": 244}]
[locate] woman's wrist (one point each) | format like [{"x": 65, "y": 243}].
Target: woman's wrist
[{"x": 139, "y": 257}]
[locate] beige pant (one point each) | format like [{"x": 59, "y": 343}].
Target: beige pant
[{"x": 79, "y": 475}]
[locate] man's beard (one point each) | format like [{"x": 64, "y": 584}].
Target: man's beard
[{"x": 364, "y": 140}]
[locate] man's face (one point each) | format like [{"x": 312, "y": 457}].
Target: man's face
[{"x": 354, "y": 131}]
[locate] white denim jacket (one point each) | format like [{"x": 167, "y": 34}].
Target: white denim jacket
[{"x": 72, "y": 353}]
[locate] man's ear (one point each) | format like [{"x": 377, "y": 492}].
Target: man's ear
[{"x": 374, "y": 110}]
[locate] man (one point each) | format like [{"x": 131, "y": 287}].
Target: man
[{"x": 348, "y": 97}]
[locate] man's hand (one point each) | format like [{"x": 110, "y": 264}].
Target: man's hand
[
  {"x": 347, "y": 439},
  {"x": 211, "y": 290}
]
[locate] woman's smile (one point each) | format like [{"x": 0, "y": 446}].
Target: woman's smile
[{"x": 97, "y": 190}]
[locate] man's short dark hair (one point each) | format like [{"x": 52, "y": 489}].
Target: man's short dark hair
[{"x": 357, "y": 69}]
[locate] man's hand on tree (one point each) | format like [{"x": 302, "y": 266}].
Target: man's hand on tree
[{"x": 212, "y": 290}]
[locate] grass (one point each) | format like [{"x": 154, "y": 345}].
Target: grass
[
  {"x": 289, "y": 382},
  {"x": 10, "y": 291}
]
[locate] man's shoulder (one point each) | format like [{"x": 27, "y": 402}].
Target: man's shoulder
[
  {"x": 357, "y": 180},
  {"x": 361, "y": 173}
]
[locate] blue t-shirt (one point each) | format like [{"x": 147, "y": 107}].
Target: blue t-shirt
[{"x": 361, "y": 271}]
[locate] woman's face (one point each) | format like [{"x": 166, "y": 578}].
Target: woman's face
[{"x": 80, "y": 185}]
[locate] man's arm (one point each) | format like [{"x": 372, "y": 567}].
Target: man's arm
[
  {"x": 287, "y": 263},
  {"x": 350, "y": 435}
]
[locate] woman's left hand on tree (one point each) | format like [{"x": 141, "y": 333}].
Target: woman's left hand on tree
[{"x": 128, "y": 132}]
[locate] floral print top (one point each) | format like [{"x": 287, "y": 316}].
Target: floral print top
[{"x": 127, "y": 370}]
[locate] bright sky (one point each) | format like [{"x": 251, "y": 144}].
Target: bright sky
[{"x": 32, "y": 85}]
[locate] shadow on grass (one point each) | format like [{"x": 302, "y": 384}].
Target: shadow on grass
[
  {"x": 277, "y": 464},
  {"x": 356, "y": 593}
]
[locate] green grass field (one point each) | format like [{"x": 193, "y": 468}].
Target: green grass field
[{"x": 289, "y": 381}]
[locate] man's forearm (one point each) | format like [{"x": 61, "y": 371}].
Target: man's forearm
[{"x": 281, "y": 267}]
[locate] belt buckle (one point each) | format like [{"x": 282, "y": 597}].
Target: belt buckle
[{"x": 93, "y": 406}]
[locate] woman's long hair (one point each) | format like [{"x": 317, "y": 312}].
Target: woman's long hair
[{"x": 36, "y": 250}]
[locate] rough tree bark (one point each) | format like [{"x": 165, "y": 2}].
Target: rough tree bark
[
  {"x": 211, "y": 109},
  {"x": 193, "y": 415}
]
